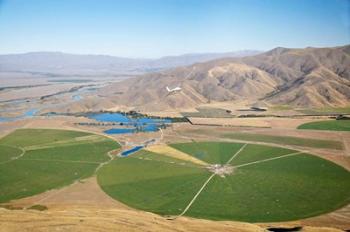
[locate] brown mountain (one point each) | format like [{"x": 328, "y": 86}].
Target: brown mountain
[{"x": 310, "y": 77}]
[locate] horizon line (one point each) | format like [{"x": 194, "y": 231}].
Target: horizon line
[{"x": 170, "y": 55}]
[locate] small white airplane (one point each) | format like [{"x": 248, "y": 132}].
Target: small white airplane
[{"x": 176, "y": 89}]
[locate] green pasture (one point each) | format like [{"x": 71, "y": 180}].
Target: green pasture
[{"x": 52, "y": 159}]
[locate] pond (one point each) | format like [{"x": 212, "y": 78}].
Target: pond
[
  {"x": 110, "y": 117},
  {"x": 28, "y": 114},
  {"x": 76, "y": 97},
  {"x": 130, "y": 125},
  {"x": 132, "y": 150},
  {"x": 120, "y": 131}
]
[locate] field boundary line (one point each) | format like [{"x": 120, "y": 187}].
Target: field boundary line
[
  {"x": 76, "y": 181},
  {"x": 14, "y": 158},
  {"x": 64, "y": 161},
  {"x": 194, "y": 198},
  {"x": 269, "y": 159},
  {"x": 172, "y": 190},
  {"x": 53, "y": 146},
  {"x": 111, "y": 158},
  {"x": 66, "y": 143},
  {"x": 53, "y": 192},
  {"x": 173, "y": 163},
  {"x": 204, "y": 185},
  {"x": 161, "y": 135},
  {"x": 234, "y": 155},
  {"x": 292, "y": 147}
]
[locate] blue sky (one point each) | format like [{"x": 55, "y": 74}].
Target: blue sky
[{"x": 154, "y": 28}]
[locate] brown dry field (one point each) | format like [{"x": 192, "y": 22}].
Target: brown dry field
[
  {"x": 83, "y": 206},
  {"x": 235, "y": 107},
  {"x": 21, "y": 79},
  {"x": 172, "y": 152},
  {"x": 263, "y": 122}
]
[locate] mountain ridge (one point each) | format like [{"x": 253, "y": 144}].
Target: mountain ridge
[
  {"x": 310, "y": 77},
  {"x": 66, "y": 63}
]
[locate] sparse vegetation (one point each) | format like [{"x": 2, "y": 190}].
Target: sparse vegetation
[
  {"x": 178, "y": 119},
  {"x": 71, "y": 80},
  {"x": 209, "y": 112},
  {"x": 11, "y": 207},
  {"x": 38, "y": 207},
  {"x": 336, "y": 109},
  {"x": 281, "y": 107},
  {"x": 326, "y": 110}
]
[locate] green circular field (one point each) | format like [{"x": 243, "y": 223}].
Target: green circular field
[{"x": 251, "y": 183}]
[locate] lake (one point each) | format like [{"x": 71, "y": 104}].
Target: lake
[{"x": 131, "y": 125}]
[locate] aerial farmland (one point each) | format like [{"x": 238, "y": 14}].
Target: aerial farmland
[{"x": 175, "y": 116}]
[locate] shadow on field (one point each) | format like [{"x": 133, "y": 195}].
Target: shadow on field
[{"x": 280, "y": 229}]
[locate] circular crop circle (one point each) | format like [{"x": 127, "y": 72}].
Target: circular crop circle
[{"x": 227, "y": 181}]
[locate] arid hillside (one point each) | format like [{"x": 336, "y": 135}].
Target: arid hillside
[
  {"x": 310, "y": 77},
  {"x": 307, "y": 77}
]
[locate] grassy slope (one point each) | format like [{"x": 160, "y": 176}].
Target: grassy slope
[
  {"x": 287, "y": 140},
  {"x": 279, "y": 190},
  {"x": 210, "y": 152},
  {"x": 334, "y": 125},
  {"x": 26, "y": 177}
]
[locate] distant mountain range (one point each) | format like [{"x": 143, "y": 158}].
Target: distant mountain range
[
  {"x": 310, "y": 77},
  {"x": 57, "y": 63}
]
